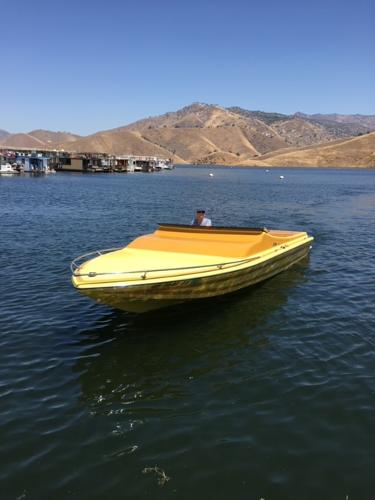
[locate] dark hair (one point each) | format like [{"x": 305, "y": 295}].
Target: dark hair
[{"x": 201, "y": 211}]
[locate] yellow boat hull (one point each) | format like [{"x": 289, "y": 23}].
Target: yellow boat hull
[{"x": 244, "y": 258}]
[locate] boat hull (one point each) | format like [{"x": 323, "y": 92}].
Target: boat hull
[{"x": 149, "y": 296}]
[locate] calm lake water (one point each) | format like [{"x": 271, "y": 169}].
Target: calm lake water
[{"x": 269, "y": 393}]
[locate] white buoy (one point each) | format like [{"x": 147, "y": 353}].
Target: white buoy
[
  {"x": 281, "y": 177},
  {"x": 211, "y": 175},
  {"x": 267, "y": 171}
]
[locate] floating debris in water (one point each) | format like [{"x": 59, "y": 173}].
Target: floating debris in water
[
  {"x": 210, "y": 174},
  {"x": 162, "y": 476},
  {"x": 281, "y": 177}
]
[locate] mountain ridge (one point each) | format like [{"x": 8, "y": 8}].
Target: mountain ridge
[{"x": 207, "y": 133}]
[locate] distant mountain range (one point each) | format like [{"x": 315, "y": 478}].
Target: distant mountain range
[{"x": 211, "y": 134}]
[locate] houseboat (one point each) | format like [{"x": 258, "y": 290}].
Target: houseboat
[{"x": 33, "y": 164}]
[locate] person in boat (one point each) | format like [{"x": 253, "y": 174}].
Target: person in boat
[{"x": 200, "y": 219}]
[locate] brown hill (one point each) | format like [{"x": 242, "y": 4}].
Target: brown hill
[
  {"x": 189, "y": 135},
  {"x": 258, "y": 135},
  {"x": 54, "y": 139},
  {"x": 22, "y": 141},
  {"x": 118, "y": 142},
  {"x": 354, "y": 152},
  {"x": 299, "y": 132},
  {"x": 38, "y": 139},
  {"x": 196, "y": 115},
  {"x": 192, "y": 145}
]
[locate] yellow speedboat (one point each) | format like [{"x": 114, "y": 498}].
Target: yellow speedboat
[{"x": 178, "y": 263}]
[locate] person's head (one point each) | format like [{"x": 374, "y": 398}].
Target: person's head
[{"x": 199, "y": 215}]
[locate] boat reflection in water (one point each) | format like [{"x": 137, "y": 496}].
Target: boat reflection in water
[
  {"x": 132, "y": 362},
  {"x": 180, "y": 263}
]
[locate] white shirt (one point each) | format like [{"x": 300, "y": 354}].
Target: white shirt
[{"x": 205, "y": 222}]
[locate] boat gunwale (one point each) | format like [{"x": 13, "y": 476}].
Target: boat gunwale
[{"x": 222, "y": 269}]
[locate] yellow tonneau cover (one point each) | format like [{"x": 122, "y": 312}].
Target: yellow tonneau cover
[{"x": 235, "y": 243}]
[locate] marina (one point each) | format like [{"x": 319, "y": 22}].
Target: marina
[{"x": 45, "y": 161}]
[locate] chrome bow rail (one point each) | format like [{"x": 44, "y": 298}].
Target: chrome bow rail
[{"x": 75, "y": 264}]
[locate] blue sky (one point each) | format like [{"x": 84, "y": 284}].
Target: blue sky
[{"x": 84, "y": 66}]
